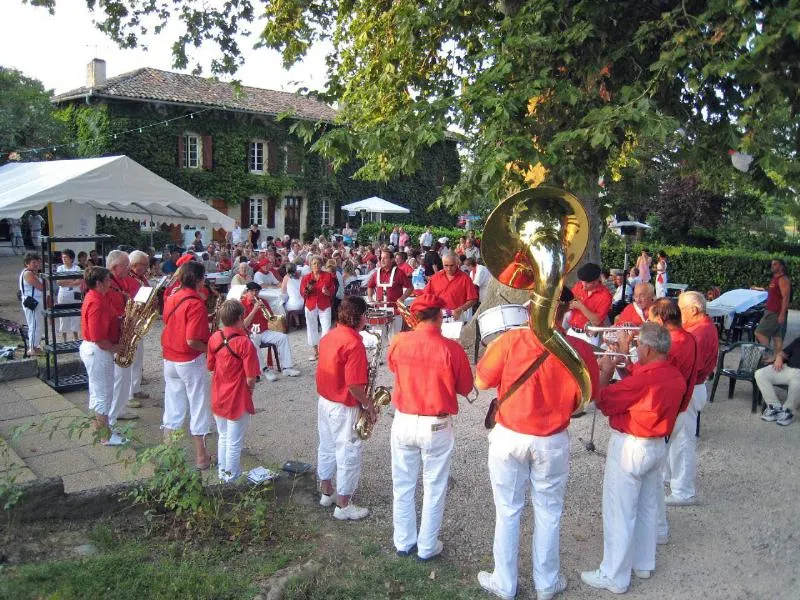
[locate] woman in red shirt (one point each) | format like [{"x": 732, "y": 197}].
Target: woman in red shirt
[
  {"x": 100, "y": 326},
  {"x": 318, "y": 289}
]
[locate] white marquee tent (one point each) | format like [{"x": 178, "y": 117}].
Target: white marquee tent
[
  {"x": 375, "y": 205},
  {"x": 113, "y": 186}
]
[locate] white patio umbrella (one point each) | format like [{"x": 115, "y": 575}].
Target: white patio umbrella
[{"x": 375, "y": 205}]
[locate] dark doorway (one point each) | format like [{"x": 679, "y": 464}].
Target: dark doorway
[{"x": 291, "y": 216}]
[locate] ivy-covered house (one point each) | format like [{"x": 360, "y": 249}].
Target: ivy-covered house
[{"x": 232, "y": 147}]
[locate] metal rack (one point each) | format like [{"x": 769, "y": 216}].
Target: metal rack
[{"x": 52, "y": 347}]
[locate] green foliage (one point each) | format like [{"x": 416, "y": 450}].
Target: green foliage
[
  {"x": 127, "y": 232},
  {"x": 369, "y": 232}
]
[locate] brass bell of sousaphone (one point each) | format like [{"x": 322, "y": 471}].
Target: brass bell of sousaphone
[{"x": 530, "y": 242}]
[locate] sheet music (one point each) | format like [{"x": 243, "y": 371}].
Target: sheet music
[
  {"x": 236, "y": 292},
  {"x": 143, "y": 294},
  {"x": 452, "y": 329}
]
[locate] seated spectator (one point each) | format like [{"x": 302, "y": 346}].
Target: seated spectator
[
  {"x": 784, "y": 371},
  {"x": 242, "y": 276}
]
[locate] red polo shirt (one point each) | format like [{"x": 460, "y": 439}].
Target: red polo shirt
[
  {"x": 455, "y": 292},
  {"x": 259, "y": 318},
  {"x": 629, "y": 315},
  {"x": 99, "y": 320},
  {"x": 405, "y": 268},
  {"x": 316, "y": 299},
  {"x": 185, "y": 318},
  {"x": 342, "y": 363},
  {"x": 645, "y": 403},
  {"x": 543, "y": 404},
  {"x": 598, "y": 301},
  {"x": 120, "y": 291},
  {"x": 430, "y": 390},
  {"x": 705, "y": 332},
  {"x": 230, "y": 395},
  {"x": 383, "y": 277},
  {"x": 683, "y": 356}
]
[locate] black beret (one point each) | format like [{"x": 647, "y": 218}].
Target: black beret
[
  {"x": 252, "y": 285},
  {"x": 589, "y": 272},
  {"x": 566, "y": 295}
]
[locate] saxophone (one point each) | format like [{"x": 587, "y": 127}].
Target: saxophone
[
  {"x": 136, "y": 322},
  {"x": 407, "y": 315},
  {"x": 379, "y": 396},
  {"x": 276, "y": 322}
]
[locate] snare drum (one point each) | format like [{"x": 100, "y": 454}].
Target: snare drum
[
  {"x": 379, "y": 317},
  {"x": 501, "y": 318}
]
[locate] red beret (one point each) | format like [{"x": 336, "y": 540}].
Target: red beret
[
  {"x": 426, "y": 301},
  {"x": 185, "y": 259},
  {"x": 261, "y": 264}
]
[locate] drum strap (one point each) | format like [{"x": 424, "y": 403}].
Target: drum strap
[{"x": 390, "y": 282}]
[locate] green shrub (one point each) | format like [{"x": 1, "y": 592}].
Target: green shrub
[{"x": 369, "y": 232}]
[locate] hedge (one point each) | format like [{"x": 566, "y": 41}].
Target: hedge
[{"x": 369, "y": 232}]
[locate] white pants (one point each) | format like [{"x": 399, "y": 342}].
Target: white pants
[
  {"x": 767, "y": 377},
  {"x": 229, "y": 446},
  {"x": 517, "y": 460},
  {"x": 187, "y": 389},
  {"x": 35, "y": 320},
  {"x": 593, "y": 340},
  {"x": 315, "y": 318},
  {"x": 429, "y": 440},
  {"x": 68, "y": 324},
  {"x": 122, "y": 393},
  {"x": 339, "y": 450},
  {"x": 630, "y": 502},
  {"x": 99, "y": 365},
  {"x": 681, "y": 463},
  {"x": 136, "y": 369},
  {"x": 281, "y": 341}
]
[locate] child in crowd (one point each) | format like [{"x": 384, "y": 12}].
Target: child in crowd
[{"x": 233, "y": 363}]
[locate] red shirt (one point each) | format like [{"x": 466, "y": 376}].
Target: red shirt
[
  {"x": 598, "y": 301},
  {"x": 705, "y": 332},
  {"x": 230, "y": 394},
  {"x": 399, "y": 281},
  {"x": 342, "y": 363},
  {"x": 629, "y": 315},
  {"x": 645, "y": 403},
  {"x": 259, "y": 318},
  {"x": 683, "y": 356},
  {"x": 120, "y": 291},
  {"x": 225, "y": 264},
  {"x": 405, "y": 268},
  {"x": 315, "y": 298},
  {"x": 99, "y": 320},
  {"x": 184, "y": 320},
  {"x": 455, "y": 292},
  {"x": 543, "y": 404},
  {"x": 429, "y": 370}
]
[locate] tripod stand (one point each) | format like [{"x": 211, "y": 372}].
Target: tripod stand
[{"x": 589, "y": 445}]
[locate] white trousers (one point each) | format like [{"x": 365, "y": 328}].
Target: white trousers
[
  {"x": 681, "y": 463},
  {"x": 630, "y": 502},
  {"x": 281, "y": 341},
  {"x": 122, "y": 392},
  {"x": 68, "y": 324},
  {"x": 35, "y": 321},
  {"x": 314, "y": 319},
  {"x": 187, "y": 390},
  {"x": 230, "y": 442},
  {"x": 339, "y": 450},
  {"x": 767, "y": 377},
  {"x": 517, "y": 460},
  {"x": 136, "y": 369},
  {"x": 428, "y": 440},
  {"x": 99, "y": 365}
]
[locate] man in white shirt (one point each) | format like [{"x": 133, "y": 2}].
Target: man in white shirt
[
  {"x": 35, "y": 222},
  {"x": 479, "y": 275},
  {"x": 235, "y": 234},
  {"x": 426, "y": 239},
  {"x": 471, "y": 250}
]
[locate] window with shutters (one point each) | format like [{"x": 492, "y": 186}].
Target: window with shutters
[
  {"x": 257, "y": 210},
  {"x": 257, "y": 157},
  {"x": 192, "y": 151},
  {"x": 294, "y": 160},
  {"x": 325, "y": 211}
]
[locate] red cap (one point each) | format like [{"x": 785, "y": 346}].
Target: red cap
[
  {"x": 426, "y": 301},
  {"x": 261, "y": 264},
  {"x": 185, "y": 259}
]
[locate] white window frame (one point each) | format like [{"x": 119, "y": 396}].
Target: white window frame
[
  {"x": 257, "y": 206},
  {"x": 325, "y": 212},
  {"x": 264, "y": 157},
  {"x": 188, "y": 163}
]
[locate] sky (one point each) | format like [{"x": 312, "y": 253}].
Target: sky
[{"x": 56, "y": 49}]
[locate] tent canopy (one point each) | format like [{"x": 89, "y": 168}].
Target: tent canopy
[
  {"x": 375, "y": 205},
  {"x": 115, "y": 186}
]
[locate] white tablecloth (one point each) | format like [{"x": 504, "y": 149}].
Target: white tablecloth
[
  {"x": 219, "y": 278},
  {"x": 275, "y": 298},
  {"x": 734, "y": 301}
]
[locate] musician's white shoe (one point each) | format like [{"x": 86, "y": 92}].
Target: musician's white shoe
[
  {"x": 642, "y": 574},
  {"x": 553, "y": 590},
  {"x": 351, "y": 512},
  {"x": 487, "y": 583},
  {"x": 597, "y": 579},
  {"x": 291, "y": 372},
  {"x": 672, "y": 500},
  {"x": 270, "y": 376},
  {"x": 326, "y": 500}
]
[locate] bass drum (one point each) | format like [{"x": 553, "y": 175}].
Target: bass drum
[{"x": 501, "y": 318}]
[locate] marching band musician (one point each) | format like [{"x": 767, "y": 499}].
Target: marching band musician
[
  {"x": 318, "y": 289},
  {"x": 255, "y": 316},
  {"x": 454, "y": 287},
  {"x": 422, "y": 428},
  {"x": 342, "y": 377},
  {"x": 140, "y": 264},
  {"x": 637, "y": 312},
  {"x": 185, "y": 342},
  {"x": 392, "y": 285},
  {"x": 123, "y": 287},
  {"x": 100, "y": 327},
  {"x": 641, "y": 410},
  {"x": 591, "y": 304},
  {"x": 529, "y": 445}
]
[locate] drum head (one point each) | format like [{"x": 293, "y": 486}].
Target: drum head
[{"x": 501, "y": 318}]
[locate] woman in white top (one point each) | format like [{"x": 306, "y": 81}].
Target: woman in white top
[
  {"x": 290, "y": 286},
  {"x": 30, "y": 285},
  {"x": 69, "y": 292}
]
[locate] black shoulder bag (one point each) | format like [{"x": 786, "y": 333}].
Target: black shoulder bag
[{"x": 491, "y": 415}]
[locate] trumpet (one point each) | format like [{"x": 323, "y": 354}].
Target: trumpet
[
  {"x": 613, "y": 329},
  {"x": 276, "y": 322},
  {"x": 611, "y": 353},
  {"x": 407, "y": 315}
]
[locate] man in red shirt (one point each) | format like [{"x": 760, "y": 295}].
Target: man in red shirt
[
  {"x": 591, "y": 304},
  {"x": 779, "y": 293},
  {"x": 641, "y": 410},
  {"x": 256, "y": 322},
  {"x": 400, "y": 259},
  {"x": 681, "y": 469},
  {"x": 454, "y": 287},
  {"x": 637, "y": 312},
  {"x": 422, "y": 429},
  {"x": 392, "y": 284},
  {"x": 185, "y": 341},
  {"x": 342, "y": 376},
  {"x": 140, "y": 263},
  {"x": 530, "y": 446}
]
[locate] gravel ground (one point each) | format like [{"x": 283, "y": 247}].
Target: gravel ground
[{"x": 739, "y": 542}]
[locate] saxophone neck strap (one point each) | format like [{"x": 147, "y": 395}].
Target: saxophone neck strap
[
  {"x": 524, "y": 377},
  {"x": 226, "y": 344}
]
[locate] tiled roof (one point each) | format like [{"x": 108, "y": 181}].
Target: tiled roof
[{"x": 165, "y": 86}]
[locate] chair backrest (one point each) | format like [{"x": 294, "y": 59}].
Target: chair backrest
[
  {"x": 749, "y": 358},
  {"x": 353, "y": 288}
]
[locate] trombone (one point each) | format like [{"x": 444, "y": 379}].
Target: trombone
[{"x": 613, "y": 329}]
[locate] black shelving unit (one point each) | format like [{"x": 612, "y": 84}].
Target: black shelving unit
[{"x": 62, "y": 382}]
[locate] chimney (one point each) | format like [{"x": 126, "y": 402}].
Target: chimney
[{"x": 96, "y": 73}]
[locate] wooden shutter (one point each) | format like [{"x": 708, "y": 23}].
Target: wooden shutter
[
  {"x": 272, "y": 157},
  {"x": 271, "y": 203},
  {"x": 245, "y": 220},
  {"x": 181, "y": 151},
  {"x": 293, "y": 163},
  {"x": 208, "y": 153}
]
